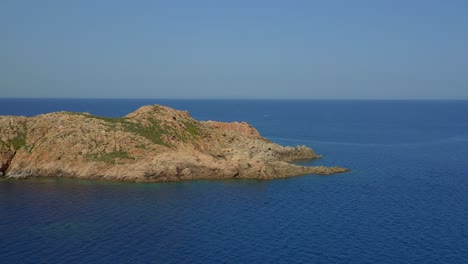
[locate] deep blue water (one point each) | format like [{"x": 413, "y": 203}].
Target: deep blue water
[{"x": 404, "y": 201}]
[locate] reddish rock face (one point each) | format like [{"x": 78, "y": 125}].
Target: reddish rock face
[
  {"x": 154, "y": 143},
  {"x": 241, "y": 128}
]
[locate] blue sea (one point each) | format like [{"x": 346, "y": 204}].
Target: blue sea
[{"x": 405, "y": 199}]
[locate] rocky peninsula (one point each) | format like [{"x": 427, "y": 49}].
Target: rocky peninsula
[{"x": 154, "y": 143}]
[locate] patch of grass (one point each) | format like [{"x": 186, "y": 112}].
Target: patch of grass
[
  {"x": 157, "y": 108},
  {"x": 112, "y": 120},
  {"x": 17, "y": 142},
  {"x": 153, "y": 132},
  {"x": 109, "y": 157},
  {"x": 192, "y": 129}
]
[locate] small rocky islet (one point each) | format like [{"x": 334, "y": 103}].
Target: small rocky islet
[{"x": 153, "y": 144}]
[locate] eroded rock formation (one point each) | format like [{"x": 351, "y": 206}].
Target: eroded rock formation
[{"x": 154, "y": 143}]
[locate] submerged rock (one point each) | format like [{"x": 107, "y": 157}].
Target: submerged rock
[{"x": 154, "y": 143}]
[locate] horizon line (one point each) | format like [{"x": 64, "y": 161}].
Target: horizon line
[{"x": 235, "y": 99}]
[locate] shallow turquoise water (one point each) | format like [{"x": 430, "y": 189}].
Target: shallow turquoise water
[{"x": 404, "y": 201}]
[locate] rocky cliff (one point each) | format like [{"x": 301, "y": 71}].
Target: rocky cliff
[{"x": 154, "y": 143}]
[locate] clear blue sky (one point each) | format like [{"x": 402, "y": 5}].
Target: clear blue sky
[{"x": 350, "y": 49}]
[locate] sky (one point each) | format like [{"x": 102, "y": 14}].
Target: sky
[{"x": 238, "y": 49}]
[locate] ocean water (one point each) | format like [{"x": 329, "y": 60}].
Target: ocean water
[{"x": 404, "y": 201}]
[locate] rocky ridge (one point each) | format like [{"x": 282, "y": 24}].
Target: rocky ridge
[{"x": 154, "y": 143}]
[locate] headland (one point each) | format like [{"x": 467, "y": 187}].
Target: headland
[{"x": 152, "y": 144}]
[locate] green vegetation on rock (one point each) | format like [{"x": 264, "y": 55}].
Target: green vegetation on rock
[
  {"x": 109, "y": 157},
  {"x": 192, "y": 129},
  {"x": 153, "y": 132},
  {"x": 17, "y": 142}
]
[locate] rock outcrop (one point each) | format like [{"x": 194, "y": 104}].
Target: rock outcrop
[{"x": 154, "y": 143}]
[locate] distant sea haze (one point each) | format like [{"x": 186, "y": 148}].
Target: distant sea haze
[{"x": 404, "y": 200}]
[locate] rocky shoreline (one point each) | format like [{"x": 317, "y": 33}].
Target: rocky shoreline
[{"x": 153, "y": 144}]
